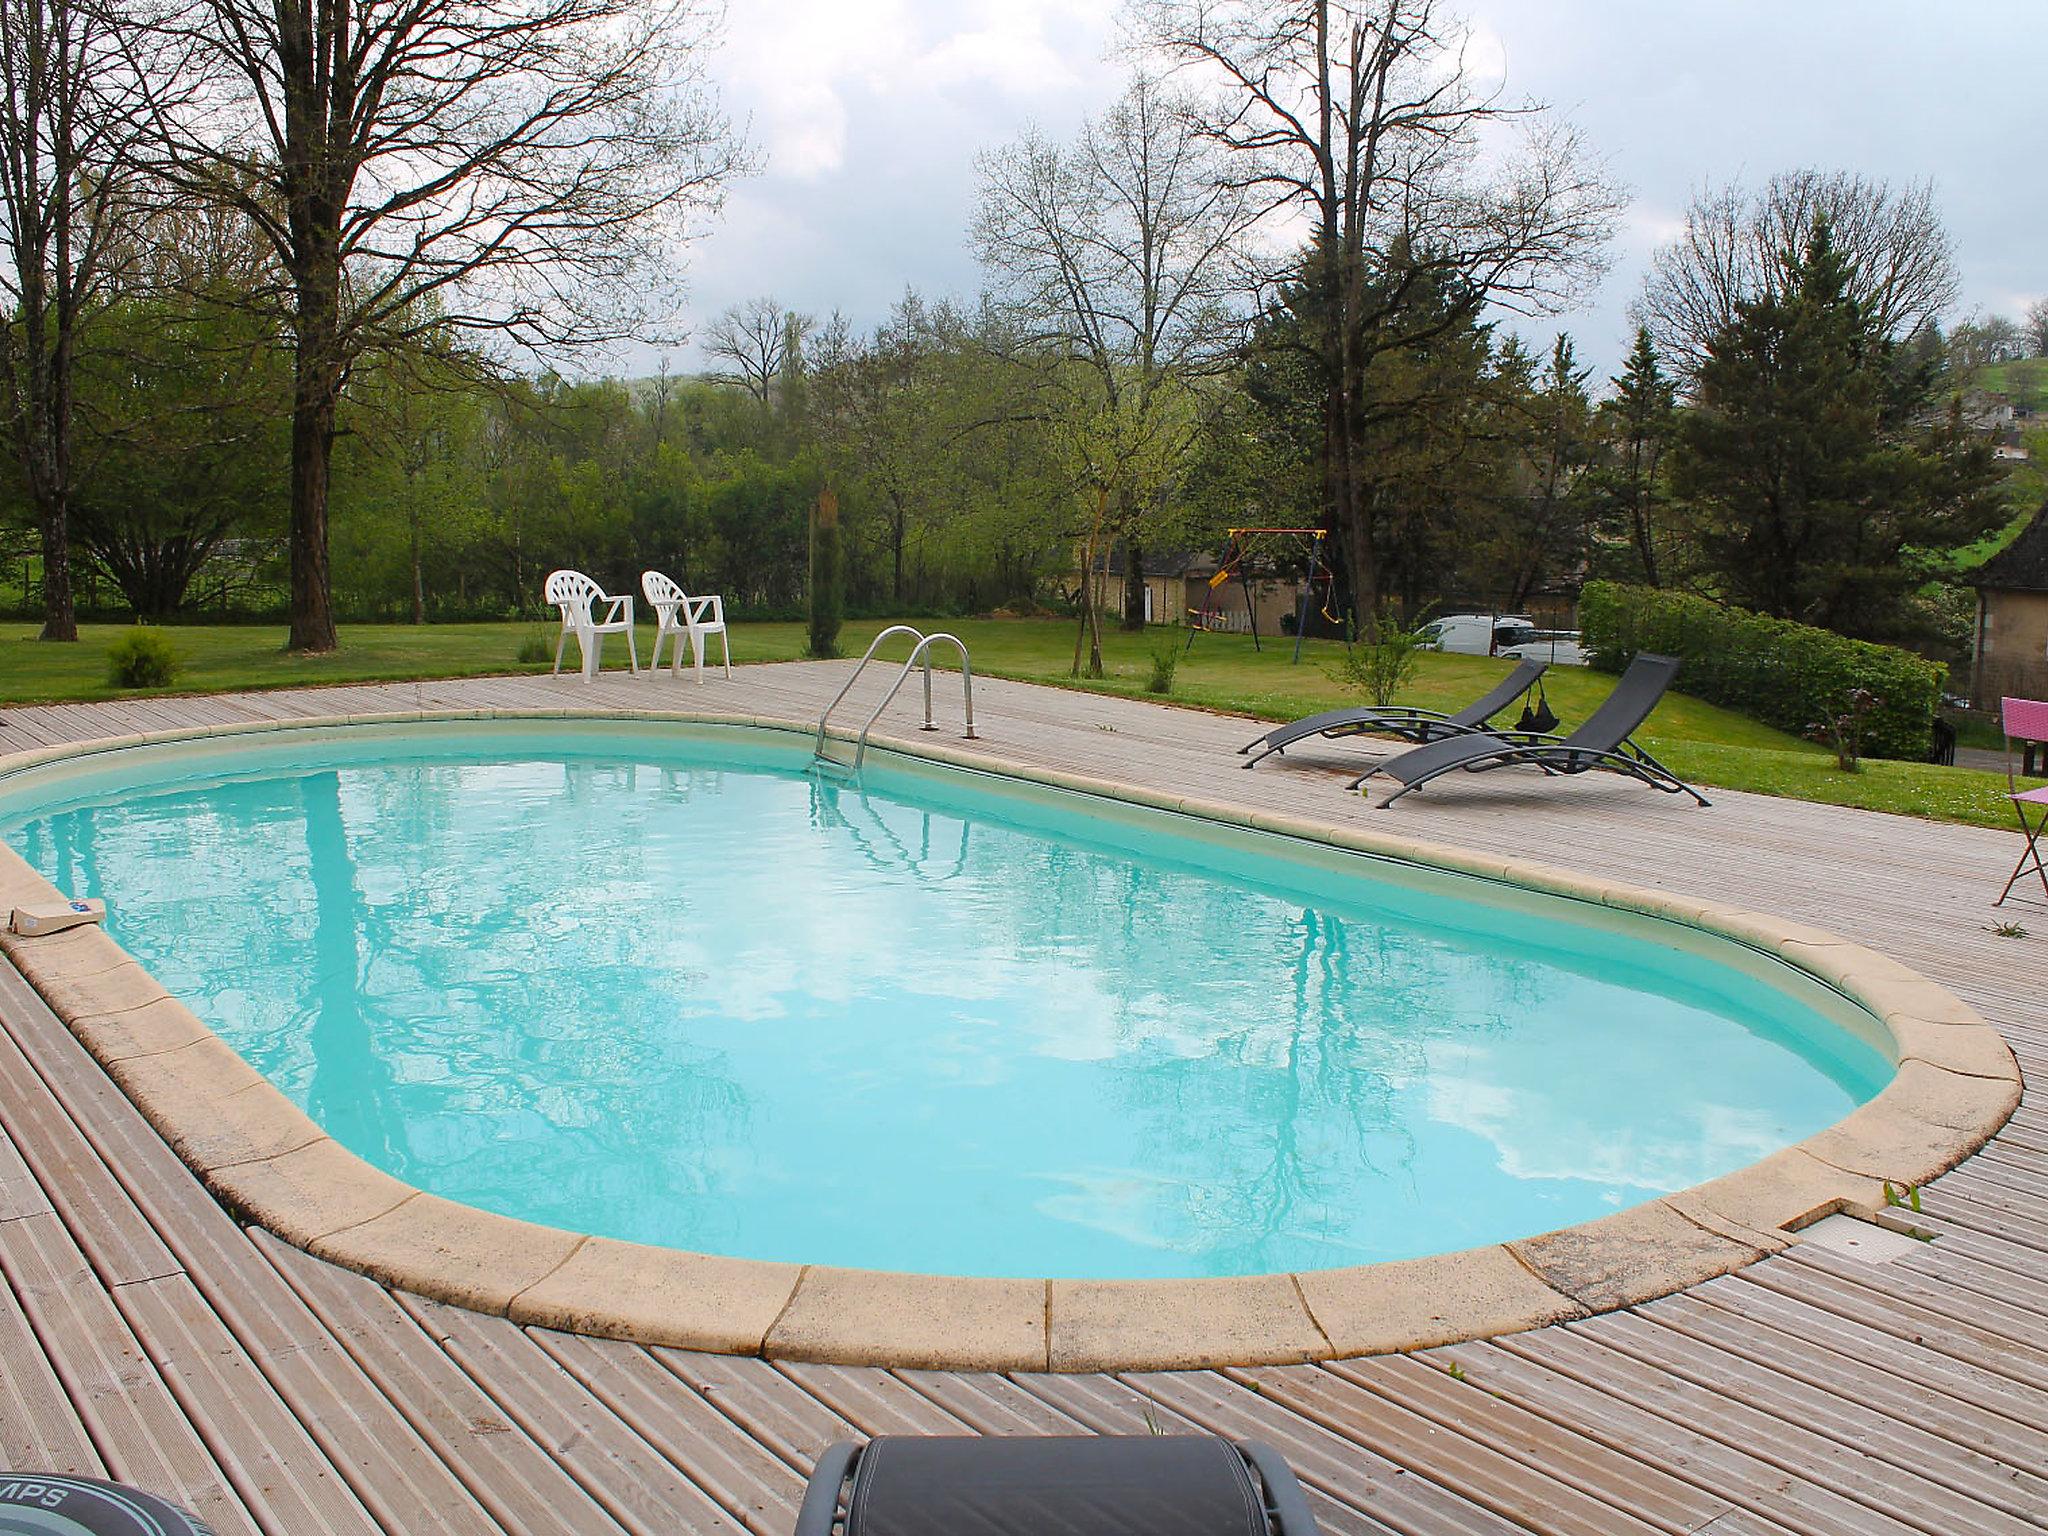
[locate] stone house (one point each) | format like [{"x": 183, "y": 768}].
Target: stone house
[{"x": 2010, "y": 653}]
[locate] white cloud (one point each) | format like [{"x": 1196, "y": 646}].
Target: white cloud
[
  {"x": 790, "y": 63},
  {"x": 794, "y": 66}
]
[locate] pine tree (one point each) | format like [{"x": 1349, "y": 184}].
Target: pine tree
[
  {"x": 1811, "y": 478},
  {"x": 1639, "y": 421}
]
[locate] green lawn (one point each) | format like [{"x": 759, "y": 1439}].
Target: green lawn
[{"x": 1699, "y": 741}]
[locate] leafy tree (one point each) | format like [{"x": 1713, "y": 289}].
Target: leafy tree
[
  {"x": 1363, "y": 119},
  {"x": 69, "y": 219},
  {"x": 1810, "y": 479},
  {"x": 1420, "y": 419},
  {"x": 181, "y": 451},
  {"x": 411, "y": 492},
  {"x": 1114, "y": 255},
  {"x": 522, "y": 171},
  {"x": 891, "y": 412}
]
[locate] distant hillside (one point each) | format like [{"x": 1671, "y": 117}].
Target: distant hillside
[
  {"x": 2026, "y": 485},
  {"x": 2026, "y": 382}
]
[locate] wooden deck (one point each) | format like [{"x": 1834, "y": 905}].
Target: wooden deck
[{"x": 144, "y": 1335}]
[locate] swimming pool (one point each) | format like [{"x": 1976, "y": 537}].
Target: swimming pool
[{"x": 658, "y": 983}]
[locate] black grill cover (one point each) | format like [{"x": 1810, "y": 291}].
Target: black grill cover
[{"x": 1053, "y": 1485}]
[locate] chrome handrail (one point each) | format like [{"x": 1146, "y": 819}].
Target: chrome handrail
[{"x": 921, "y": 651}]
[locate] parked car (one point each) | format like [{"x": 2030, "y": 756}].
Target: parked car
[{"x": 1503, "y": 634}]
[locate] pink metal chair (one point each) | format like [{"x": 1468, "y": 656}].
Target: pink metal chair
[{"x": 2025, "y": 720}]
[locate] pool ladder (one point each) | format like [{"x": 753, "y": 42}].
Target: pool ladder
[{"x": 921, "y": 651}]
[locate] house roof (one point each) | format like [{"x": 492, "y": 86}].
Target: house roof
[{"x": 2022, "y": 566}]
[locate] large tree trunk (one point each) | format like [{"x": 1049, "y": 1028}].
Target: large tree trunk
[
  {"x": 316, "y": 391},
  {"x": 1134, "y": 583},
  {"x": 46, "y": 459},
  {"x": 60, "y": 611},
  {"x": 1349, "y": 515},
  {"x": 312, "y": 606}
]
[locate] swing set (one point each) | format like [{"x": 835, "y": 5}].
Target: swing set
[{"x": 1240, "y": 551}]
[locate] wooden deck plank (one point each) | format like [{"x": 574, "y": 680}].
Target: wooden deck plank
[
  {"x": 139, "y": 1428},
  {"x": 1974, "y": 1454},
  {"x": 1652, "y": 1379},
  {"x": 1809, "y": 1416},
  {"x": 1526, "y": 1491},
  {"x": 121, "y": 1242},
  {"x": 759, "y": 1400},
  {"x": 20, "y": 1193},
  {"x": 874, "y": 1400},
  {"x": 989, "y": 1404},
  {"x": 1592, "y": 1407},
  {"x": 1457, "y": 1408},
  {"x": 508, "y": 1474},
  {"x": 276, "y": 1469},
  {"x": 1987, "y": 1411},
  {"x": 39, "y": 1429},
  {"x": 624, "y": 1474},
  {"x": 753, "y": 1486},
  {"x": 1997, "y": 1335}
]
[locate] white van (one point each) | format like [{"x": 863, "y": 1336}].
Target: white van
[{"x": 1503, "y": 634}]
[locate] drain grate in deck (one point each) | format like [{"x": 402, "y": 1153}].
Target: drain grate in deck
[{"x": 1860, "y": 1239}]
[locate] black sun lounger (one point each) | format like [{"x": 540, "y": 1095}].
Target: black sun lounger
[
  {"x": 1072, "y": 1485},
  {"x": 1602, "y": 742},
  {"x": 1402, "y": 720}
]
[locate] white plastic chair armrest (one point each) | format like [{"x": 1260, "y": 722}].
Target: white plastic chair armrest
[
  {"x": 620, "y": 606},
  {"x": 699, "y": 606}
]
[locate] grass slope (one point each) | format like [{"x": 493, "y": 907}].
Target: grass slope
[{"x": 1222, "y": 672}]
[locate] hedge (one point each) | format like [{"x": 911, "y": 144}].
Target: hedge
[{"x": 1784, "y": 674}]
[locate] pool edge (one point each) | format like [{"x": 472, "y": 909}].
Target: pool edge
[{"x": 1957, "y": 1083}]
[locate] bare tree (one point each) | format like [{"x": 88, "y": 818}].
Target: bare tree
[
  {"x": 1116, "y": 254},
  {"x": 758, "y": 338},
  {"x": 2037, "y": 328},
  {"x": 1362, "y": 120},
  {"x": 521, "y": 170},
  {"x": 68, "y": 217},
  {"x": 1982, "y": 340},
  {"x": 1740, "y": 245}
]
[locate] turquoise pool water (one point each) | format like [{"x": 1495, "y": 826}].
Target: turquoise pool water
[{"x": 663, "y": 985}]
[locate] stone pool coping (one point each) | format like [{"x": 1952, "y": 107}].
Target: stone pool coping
[{"x": 1956, "y": 1084}]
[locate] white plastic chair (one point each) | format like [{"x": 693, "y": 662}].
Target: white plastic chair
[
  {"x": 677, "y": 614},
  {"x": 575, "y": 594}
]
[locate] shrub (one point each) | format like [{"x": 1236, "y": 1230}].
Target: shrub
[
  {"x": 142, "y": 658},
  {"x": 1382, "y": 661},
  {"x": 1784, "y": 674},
  {"x": 1844, "y": 731},
  {"x": 534, "y": 652},
  {"x": 1165, "y": 662}
]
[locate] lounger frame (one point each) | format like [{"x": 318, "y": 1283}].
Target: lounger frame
[
  {"x": 1636, "y": 695},
  {"x": 1408, "y": 722}
]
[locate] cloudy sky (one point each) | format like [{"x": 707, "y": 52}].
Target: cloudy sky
[{"x": 868, "y": 114}]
